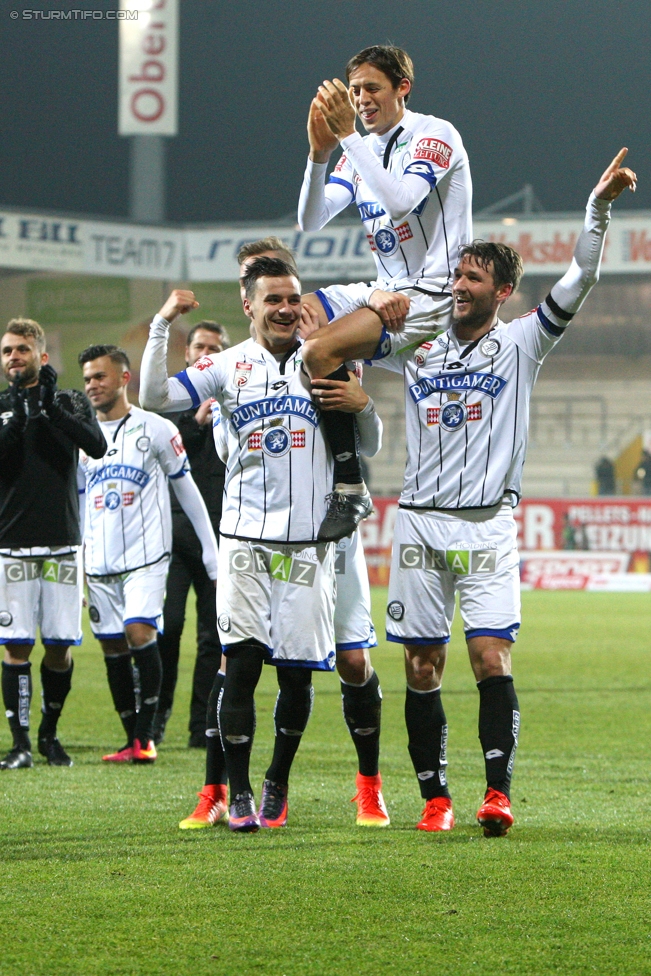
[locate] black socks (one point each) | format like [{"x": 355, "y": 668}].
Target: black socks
[
  {"x": 55, "y": 686},
  {"x": 236, "y": 713},
  {"x": 428, "y": 737},
  {"x": 362, "y": 707},
  {"x": 215, "y": 761},
  {"x": 150, "y": 670},
  {"x": 119, "y": 672},
  {"x": 291, "y": 715},
  {"x": 341, "y": 434},
  {"x": 499, "y": 725},
  {"x": 17, "y": 696}
]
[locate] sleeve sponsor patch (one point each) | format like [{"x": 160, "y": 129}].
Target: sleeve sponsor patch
[
  {"x": 204, "y": 363},
  {"x": 177, "y": 444},
  {"x": 434, "y": 150},
  {"x": 340, "y": 165}
]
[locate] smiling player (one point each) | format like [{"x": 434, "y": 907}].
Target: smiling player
[
  {"x": 467, "y": 404},
  {"x": 410, "y": 180}
]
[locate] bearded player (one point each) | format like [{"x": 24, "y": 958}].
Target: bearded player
[
  {"x": 467, "y": 403},
  {"x": 409, "y": 177}
]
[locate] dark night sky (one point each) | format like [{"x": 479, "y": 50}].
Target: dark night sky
[{"x": 542, "y": 91}]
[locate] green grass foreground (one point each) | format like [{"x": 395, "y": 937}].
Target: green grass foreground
[{"x": 97, "y": 879}]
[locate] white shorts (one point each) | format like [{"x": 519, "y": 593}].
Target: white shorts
[
  {"x": 428, "y": 313},
  {"x": 45, "y": 592},
  {"x": 127, "y": 598},
  {"x": 353, "y": 623},
  {"x": 434, "y": 557},
  {"x": 282, "y": 596}
]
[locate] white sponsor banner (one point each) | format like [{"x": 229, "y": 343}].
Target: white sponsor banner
[
  {"x": 40, "y": 243},
  {"x": 563, "y": 570},
  {"x": 338, "y": 253},
  {"x": 132, "y": 251},
  {"x": 341, "y": 252},
  {"x": 148, "y": 72}
]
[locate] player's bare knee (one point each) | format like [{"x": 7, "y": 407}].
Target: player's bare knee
[
  {"x": 57, "y": 658},
  {"x": 424, "y": 665},
  {"x": 490, "y": 657},
  {"x": 17, "y": 653},
  {"x": 139, "y": 634},
  {"x": 318, "y": 358},
  {"x": 354, "y": 667}
]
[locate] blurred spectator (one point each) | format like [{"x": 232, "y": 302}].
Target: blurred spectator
[
  {"x": 643, "y": 473},
  {"x": 567, "y": 533},
  {"x": 605, "y": 475}
]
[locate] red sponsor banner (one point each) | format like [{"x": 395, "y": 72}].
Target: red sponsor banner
[{"x": 594, "y": 525}]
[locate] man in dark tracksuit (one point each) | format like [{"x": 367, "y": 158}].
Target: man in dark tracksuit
[
  {"x": 41, "y": 431},
  {"x": 186, "y": 567}
]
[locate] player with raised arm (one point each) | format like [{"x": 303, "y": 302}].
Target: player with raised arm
[
  {"x": 274, "y": 574},
  {"x": 467, "y": 404},
  {"x": 410, "y": 180},
  {"x": 41, "y": 577},
  {"x": 354, "y": 632},
  {"x": 128, "y": 540}
]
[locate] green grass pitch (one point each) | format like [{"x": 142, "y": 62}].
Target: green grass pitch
[{"x": 97, "y": 879}]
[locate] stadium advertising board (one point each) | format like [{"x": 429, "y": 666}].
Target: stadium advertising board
[
  {"x": 576, "y": 541},
  {"x": 37, "y": 242},
  {"x": 148, "y": 85}
]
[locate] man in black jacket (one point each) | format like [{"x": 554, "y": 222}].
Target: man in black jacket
[
  {"x": 186, "y": 567},
  {"x": 40, "y": 560}
]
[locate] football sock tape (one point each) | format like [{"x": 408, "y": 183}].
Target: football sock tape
[
  {"x": 236, "y": 712},
  {"x": 55, "y": 686},
  {"x": 291, "y": 715},
  {"x": 428, "y": 739},
  {"x": 499, "y": 726},
  {"x": 362, "y": 708}
]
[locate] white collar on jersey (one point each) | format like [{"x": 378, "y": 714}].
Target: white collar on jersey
[{"x": 380, "y": 142}]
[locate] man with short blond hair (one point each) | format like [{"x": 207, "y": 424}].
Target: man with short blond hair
[{"x": 41, "y": 578}]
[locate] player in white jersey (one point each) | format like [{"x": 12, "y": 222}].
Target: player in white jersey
[
  {"x": 410, "y": 180},
  {"x": 467, "y": 397},
  {"x": 276, "y": 587},
  {"x": 354, "y": 635},
  {"x": 128, "y": 540}
]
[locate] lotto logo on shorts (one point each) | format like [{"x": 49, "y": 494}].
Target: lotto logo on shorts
[
  {"x": 462, "y": 562},
  {"x": 435, "y": 150}
]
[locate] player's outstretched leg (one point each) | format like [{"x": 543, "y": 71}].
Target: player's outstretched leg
[
  {"x": 55, "y": 684},
  {"x": 499, "y": 725},
  {"x": 362, "y": 708},
  {"x": 291, "y": 715},
  {"x": 17, "y": 696},
  {"x": 119, "y": 672},
  {"x": 147, "y": 659},
  {"x": 236, "y": 714},
  {"x": 212, "y": 807}
]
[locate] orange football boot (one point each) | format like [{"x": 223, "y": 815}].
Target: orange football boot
[
  {"x": 371, "y": 808},
  {"x": 437, "y": 814},
  {"x": 494, "y": 815},
  {"x": 145, "y": 753},
  {"x": 211, "y": 809},
  {"x": 125, "y": 754}
]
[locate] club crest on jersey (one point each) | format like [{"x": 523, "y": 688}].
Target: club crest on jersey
[
  {"x": 386, "y": 241},
  {"x": 276, "y": 441},
  {"x": 143, "y": 443},
  {"x": 242, "y": 373},
  {"x": 490, "y": 347},
  {"x": 112, "y": 500},
  {"x": 453, "y": 415}
]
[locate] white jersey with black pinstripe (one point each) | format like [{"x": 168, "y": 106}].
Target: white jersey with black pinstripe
[
  {"x": 279, "y": 469},
  {"x": 128, "y": 520},
  {"x": 421, "y": 248},
  {"x": 467, "y": 409}
]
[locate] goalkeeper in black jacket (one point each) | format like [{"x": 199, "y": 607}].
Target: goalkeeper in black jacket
[{"x": 40, "y": 559}]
